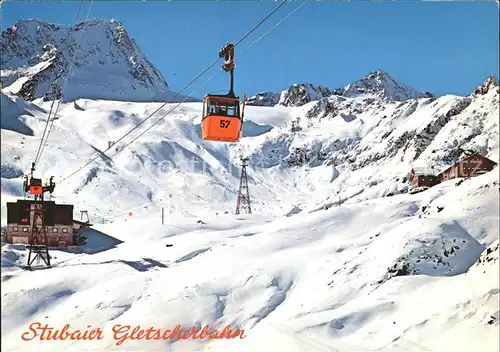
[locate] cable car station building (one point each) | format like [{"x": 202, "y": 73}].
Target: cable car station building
[{"x": 58, "y": 219}]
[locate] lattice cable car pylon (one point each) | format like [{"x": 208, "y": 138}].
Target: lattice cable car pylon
[
  {"x": 38, "y": 244},
  {"x": 243, "y": 201}
]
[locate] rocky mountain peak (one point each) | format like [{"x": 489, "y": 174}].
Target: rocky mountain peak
[
  {"x": 107, "y": 64},
  {"x": 297, "y": 94},
  {"x": 264, "y": 99},
  {"x": 380, "y": 85},
  {"x": 490, "y": 83},
  {"x": 377, "y": 84},
  {"x": 302, "y": 93}
]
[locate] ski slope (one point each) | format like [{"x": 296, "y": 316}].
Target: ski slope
[
  {"x": 313, "y": 269},
  {"x": 316, "y": 281}
]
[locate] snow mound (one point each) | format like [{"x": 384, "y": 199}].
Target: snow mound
[
  {"x": 438, "y": 249},
  {"x": 252, "y": 129},
  {"x": 13, "y": 110},
  {"x": 488, "y": 258}
]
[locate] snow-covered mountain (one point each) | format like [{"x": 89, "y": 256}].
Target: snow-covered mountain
[
  {"x": 300, "y": 94},
  {"x": 108, "y": 63},
  {"x": 337, "y": 255},
  {"x": 377, "y": 84},
  {"x": 349, "y": 143}
]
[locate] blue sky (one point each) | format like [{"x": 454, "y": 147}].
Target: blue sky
[{"x": 440, "y": 47}]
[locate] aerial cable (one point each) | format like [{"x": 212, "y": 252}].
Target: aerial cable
[
  {"x": 70, "y": 66},
  {"x": 175, "y": 95},
  {"x": 41, "y": 146},
  {"x": 187, "y": 85},
  {"x": 63, "y": 86},
  {"x": 258, "y": 24},
  {"x": 273, "y": 27},
  {"x": 252, "y": 44},
  {"x": 257, "y": 40},
  {"x": 44, "y": 132}
]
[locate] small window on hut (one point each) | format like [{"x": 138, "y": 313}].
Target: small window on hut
[
  {"x": 64, "y": 230},
  {"x": 55, "y": 229},
  {"x": 15, "y": 228},
  {"x": 25, "y": 229}
]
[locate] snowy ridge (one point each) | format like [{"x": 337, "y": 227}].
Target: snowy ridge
[
  {"x": 300, "y": 94},
  {"x": 491, "y": 83},
  {"x": 377, "y": 84},
  {"x": 297, "y": 94},
  {"x": 108, "y": 63},
  {"x": 264, "y": 99}
]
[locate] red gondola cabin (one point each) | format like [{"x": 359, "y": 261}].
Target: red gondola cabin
[{"x": 221, "y": 118}]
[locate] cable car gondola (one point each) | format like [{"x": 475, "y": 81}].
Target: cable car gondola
[
  {"x": 34, "y": 185},
  {"x": 222, "y": 119}
]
